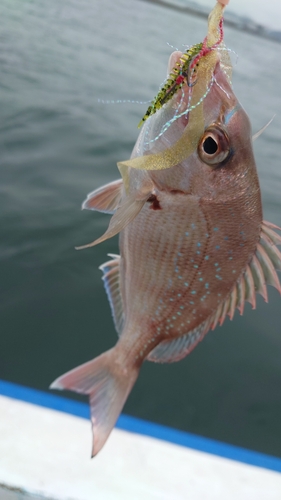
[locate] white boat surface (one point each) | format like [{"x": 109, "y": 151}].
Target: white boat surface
[{"x": 45, "y": 451}]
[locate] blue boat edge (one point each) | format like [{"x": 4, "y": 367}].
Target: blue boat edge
[{"x": 143, "y": 427}]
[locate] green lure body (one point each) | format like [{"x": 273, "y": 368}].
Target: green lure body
[{"x": 175, "y": 81}]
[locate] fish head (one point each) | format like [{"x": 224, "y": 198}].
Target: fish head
[
  {"x": 222, "y": 163},
  {"x": 196, "y": 138}
]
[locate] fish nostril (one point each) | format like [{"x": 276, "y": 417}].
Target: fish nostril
[{"x": 210, "y": 146}]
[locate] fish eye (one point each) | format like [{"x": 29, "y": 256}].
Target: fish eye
[{"x": 214, "y": 147}]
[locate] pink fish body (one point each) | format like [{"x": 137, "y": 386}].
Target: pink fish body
[{"x": 193, "y": 247}]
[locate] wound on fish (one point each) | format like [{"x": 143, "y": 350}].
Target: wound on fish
[{"x": 155, "y": 205}]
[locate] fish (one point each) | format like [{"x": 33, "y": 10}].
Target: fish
[{"x": 193, "y": 243}]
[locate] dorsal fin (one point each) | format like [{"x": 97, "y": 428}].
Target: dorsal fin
[
  {"x": 232, "y": 302},
  {"x": 241, "y": 296},
  {"x": 260, "y": 272},
  {"x": 106, "y": 198},
  {"x": 259, "y": 279},
  {"x": 169, "y": 351},
  {"x": 111, "y": 279}
]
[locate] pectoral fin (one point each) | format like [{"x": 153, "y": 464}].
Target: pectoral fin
[
  {"x": 106, "y": 198},
  {"x": 259, "y": 132},
  {"x": 124, "y": 214}
]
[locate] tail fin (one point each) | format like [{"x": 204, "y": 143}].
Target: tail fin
[{"x": 108, "y": 386}]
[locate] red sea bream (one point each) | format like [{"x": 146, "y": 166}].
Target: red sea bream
[{"x": 193, "y": 243}]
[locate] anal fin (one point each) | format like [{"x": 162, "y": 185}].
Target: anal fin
[{"x": 169, "y": 351}]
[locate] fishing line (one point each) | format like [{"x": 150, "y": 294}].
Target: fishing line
[
  {"x": 172, "y": 46},
  {"x": 121, "y": 101},
  {"x": 227, "y": 49},
  {"x": 217, "y": 83}
]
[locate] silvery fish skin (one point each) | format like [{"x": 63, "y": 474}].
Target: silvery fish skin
[{"x": 193, "y": 248}]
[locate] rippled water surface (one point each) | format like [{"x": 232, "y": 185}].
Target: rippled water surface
[{"x": 57, "y": 143}]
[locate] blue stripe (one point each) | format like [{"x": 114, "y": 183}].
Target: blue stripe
[
  {"x": 143, "y": 427},
  {"x": 229, "y": 115}
]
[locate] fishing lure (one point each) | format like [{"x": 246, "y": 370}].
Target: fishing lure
[
  {"x": 175, "y": 81},
  {"x": 184, "y": 70}
]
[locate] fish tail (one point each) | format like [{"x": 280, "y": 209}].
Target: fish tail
[{"x": 108, "y": 385}]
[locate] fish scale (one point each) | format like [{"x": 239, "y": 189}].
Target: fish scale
[{"x": 149, "y": 282}]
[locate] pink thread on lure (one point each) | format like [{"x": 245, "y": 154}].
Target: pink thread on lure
[
  {"x": 205, "y": 49},
  {"x": 179, "y": 79}
]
